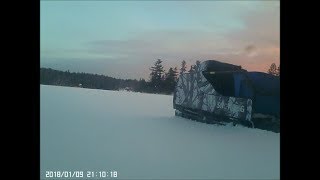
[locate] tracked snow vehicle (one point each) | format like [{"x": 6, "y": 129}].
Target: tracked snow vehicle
[{"x": 222, "y": 93}]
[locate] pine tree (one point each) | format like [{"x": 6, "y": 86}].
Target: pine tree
[
  {"x": 170, "y": 81},
  {"x": 156, "y": 75},
  {"x": 175, "y": 72},
  {"x": 278, "y": 71},
  {"x": 273, "y": 69},
  {"x": 183, "y": 67}
]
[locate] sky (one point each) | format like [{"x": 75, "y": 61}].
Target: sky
[{"x": 123, "y": 39}]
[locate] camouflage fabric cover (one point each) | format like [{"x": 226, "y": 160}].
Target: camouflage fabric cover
[{"x": 195, "y": 92}]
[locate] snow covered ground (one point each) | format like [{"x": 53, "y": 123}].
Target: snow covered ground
[{"x": 138, "y": 135}]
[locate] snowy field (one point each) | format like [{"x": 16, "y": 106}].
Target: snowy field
[{"x": 138, "y": 136}]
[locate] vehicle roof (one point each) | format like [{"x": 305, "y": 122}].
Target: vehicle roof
[{"x": 214, "y": 65}]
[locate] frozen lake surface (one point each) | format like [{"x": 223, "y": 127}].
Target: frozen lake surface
[{"x": 138, "y": 136}]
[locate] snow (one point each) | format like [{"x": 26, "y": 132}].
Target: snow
[{"x": 138, "y": 135}]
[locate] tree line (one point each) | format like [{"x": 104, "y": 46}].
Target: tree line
[{"x": 160, "y": 80}]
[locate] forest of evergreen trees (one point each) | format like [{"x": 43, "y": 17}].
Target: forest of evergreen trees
[
  {"x": 50, "y": 76},
  {"x": 160, "y": 81}
]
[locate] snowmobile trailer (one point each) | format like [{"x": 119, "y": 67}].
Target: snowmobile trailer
[{"x": 221, "y": 93}]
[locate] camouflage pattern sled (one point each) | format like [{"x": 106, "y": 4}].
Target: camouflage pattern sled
[{"x": 196, "y": 98}]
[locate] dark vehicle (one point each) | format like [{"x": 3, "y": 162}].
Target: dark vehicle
[{"x": 222, "y": 93}]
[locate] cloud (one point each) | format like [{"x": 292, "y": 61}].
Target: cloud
[{"x": 251, "y": 51}]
